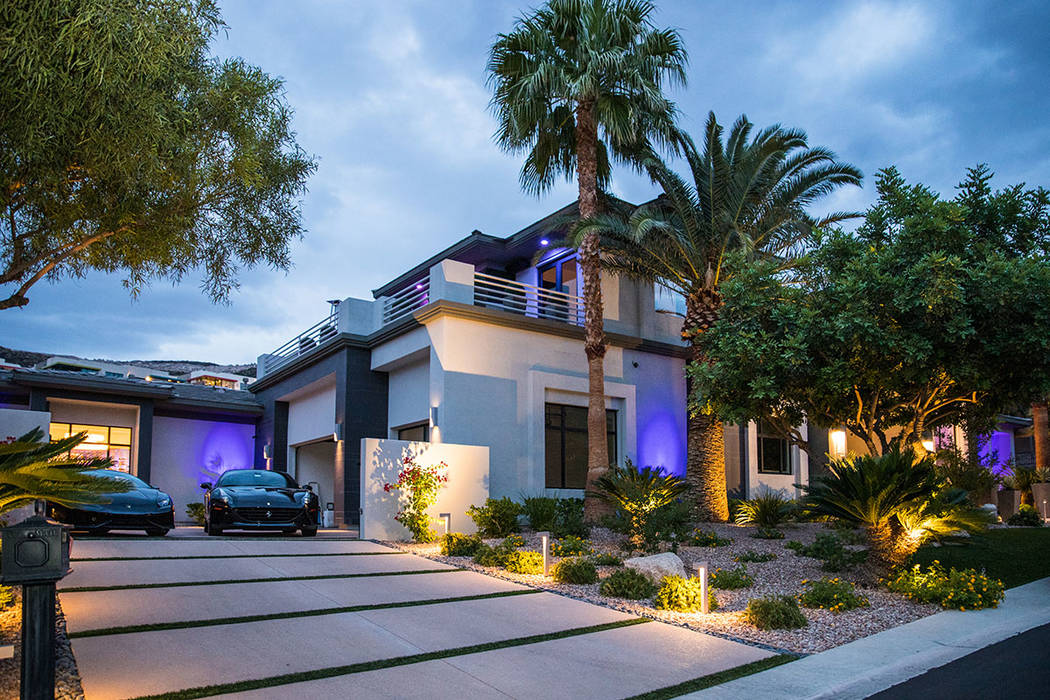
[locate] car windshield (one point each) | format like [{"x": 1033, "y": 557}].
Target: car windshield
[
  {"x": 135, "y": 482},
  {"x": 256, "y": 477}
]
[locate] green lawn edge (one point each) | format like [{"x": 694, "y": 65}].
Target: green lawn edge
[
  {"x": 331, "y": 672},
  {"x": 713, "y": 679},
  {"x": 238, "y": 556},
  {"x": 215, "y": 622},
  {"x": 180, "y": 584},
  {"x": 1016, "y": 556}
]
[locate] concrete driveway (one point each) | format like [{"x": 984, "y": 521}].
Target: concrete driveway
[{"x": 340, "y": 617}]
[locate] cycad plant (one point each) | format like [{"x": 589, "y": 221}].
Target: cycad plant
[
  {"x": 638, "y": 494},
  {"x": 747, "y": 201},
  {"x": 576, "y": 84},
  {"x": 767, "y": 510},
  {"x": 33, "y": 468},
  {"x": 894, "y": 497}
]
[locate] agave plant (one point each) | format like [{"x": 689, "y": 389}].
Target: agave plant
[
  {"x": 638, "y": 493},
  {"x": 33, "y": 468},
  {"x": 893, "y": 497},
  {"x": 768, "y": 510}
]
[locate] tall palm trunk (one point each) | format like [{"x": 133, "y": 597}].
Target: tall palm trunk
[
  {"x": 593, "y": 325},
  {"x": 705, "y": 436},
  {"x": 1041, "y": 435}
]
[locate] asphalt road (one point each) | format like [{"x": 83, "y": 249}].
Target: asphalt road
[{"x": 1014, "y": 669}]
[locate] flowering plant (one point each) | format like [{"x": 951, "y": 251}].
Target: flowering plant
[{"x": 419, "y": 487}]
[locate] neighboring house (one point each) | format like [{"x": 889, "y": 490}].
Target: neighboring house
[
  {"x": 172, "y": 435},
  {"x": 106, "y": 369}
]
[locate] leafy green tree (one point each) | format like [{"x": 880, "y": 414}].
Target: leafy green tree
[
  {"x": 31, "y": 468},
  {"x": 927, "y": 316},
  {"x": 576, "y": 81},
  {"x": 746, "y": 202},
  {"x": 125, "y": 147}
]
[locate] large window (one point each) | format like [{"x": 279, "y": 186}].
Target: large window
[
  {"x": 774, "y": 451},
  {"x": 566, "y": 445},
  {"x": 102, "y": 441},
  {"x": 415, "y": 433}
]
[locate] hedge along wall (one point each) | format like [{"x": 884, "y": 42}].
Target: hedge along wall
[{"x": 381, "y": 460}]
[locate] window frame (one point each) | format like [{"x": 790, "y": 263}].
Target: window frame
[
  {"x": 612, "y": 434},
  {"x": 109, "y": 443},
  {"x": 425, "y": 425},
  {"x": 761, "y": 436}
]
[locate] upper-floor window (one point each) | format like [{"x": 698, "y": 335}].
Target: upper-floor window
[
  {"x": 561, "y": 275},
  {"x": 774, "y": 451},
  {"x": 668, "y": 300}
]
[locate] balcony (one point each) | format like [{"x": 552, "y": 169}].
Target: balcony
[{"x": 449, "y": 280}]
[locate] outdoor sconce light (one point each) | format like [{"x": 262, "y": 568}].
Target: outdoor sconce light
[
  {"x": 544, "y": 242},
  {"x": 337, "y": 433},
  {"x": 267, "y": 451},
  {"x": 701, "y": 573},
  {"x": 544, "y": 542},
  {"x": 837, "y": 438},
  {"x": 434, "y": 416},
  {"x": 447, "y": 519}
]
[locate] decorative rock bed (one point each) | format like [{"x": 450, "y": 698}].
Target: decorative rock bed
[
  {"x": 780, "y": 576},
  {"x": 67, "y": 679}
]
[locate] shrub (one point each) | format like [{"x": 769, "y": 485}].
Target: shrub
[
  {"x": 829, "y": 549},
  {"x": 775, "y": 613},
  {"x": 767, "y": 533},
  {"x": 523, "y": 562},
  {"x": 627, "y": 583},
  {"x": 730, "y": 579},
  {"x": 682, "y": 595},
  {"x": 644, "y": 500},
  {"x": 513, "y": 541},
  {"x": 195, "y": 512},
  {"x": 570, "y": 546},
  {"x": 847, "y": 533},
  {"x": 704, "y": 538},
  {"x": 569, "y": 519},
  {"x": 832, "y": 594},
  {"x": 892, "y": 497},
  {"x": 7, "y": 597},
  {"x": 497, "y": 518},
  {"x": 606, "y": 559},
  {"x": 734, "y": 508},
  {"x": 1027, "y": 516},
  {"x": 419, "y": 488},
  {"x": 576, "y": 570},
  {"x": 541, "y": 512},
  {"x": 456, "y": 544},
  {"x": 975, "y": 477},
  {"x": 753, "y": 556},
  {"x": 498, "y": 555},
  {"x": 952, "y": 588},
  {"x": 768, "y": 510}
]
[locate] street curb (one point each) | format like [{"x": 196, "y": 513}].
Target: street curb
[{"x": 872, "y": 664}]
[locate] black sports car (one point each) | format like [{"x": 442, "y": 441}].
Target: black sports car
[
  {"x": 257, "y": 499},
  {"x": 141, "y": 507}
]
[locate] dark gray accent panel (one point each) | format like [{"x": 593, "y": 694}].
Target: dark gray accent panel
[
  {"x": 818, "y": 452},
  {"x": 37, "y": 400},
  {"x": 280, "y": 436},
  {"x": 144, "y": 460}
]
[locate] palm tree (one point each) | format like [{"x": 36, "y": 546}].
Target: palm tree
[
  {"x": 32, "y": 468},
  {"x": 574, "y": 81},
  {"x": 747, "y": 198}
]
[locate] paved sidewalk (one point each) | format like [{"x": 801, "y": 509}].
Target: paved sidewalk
[
  {"x": 382, "y": 623},
  {"x": 872, "y": 664}
]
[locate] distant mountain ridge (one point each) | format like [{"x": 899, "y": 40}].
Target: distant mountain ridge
[{"x": 28, "y": 358}]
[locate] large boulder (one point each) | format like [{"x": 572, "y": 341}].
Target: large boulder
[{"x": 656, "y": 566}]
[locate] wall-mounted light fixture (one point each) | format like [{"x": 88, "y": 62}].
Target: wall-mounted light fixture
[
  {"x": 544, "y": 544},
  {"x": 837, "y": 443},
  {"x": 544, "y": 242},
  {"x": 434, "y": 416},
  {"x": 446, "y": 518},
  {"x": 701, "y": 573},
  {"x": 337, "y": 432},
  {"x": 267, "y": 451},
  {"x": 928, "y": 443}
]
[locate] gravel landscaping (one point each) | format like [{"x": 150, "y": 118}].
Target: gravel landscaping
[
  {"x": 67, "y": 679},
  {"x": 783, "y": 575}
]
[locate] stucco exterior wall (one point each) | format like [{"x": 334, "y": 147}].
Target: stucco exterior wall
[
  {"x": 188, "y": 451},
  {"x": 311, "y": 413},
  {"x": 16, "y": 422},
  {"x": 409, "y": 401}
]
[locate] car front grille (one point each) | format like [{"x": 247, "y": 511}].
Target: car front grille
[{"x": 267, "y": 515}]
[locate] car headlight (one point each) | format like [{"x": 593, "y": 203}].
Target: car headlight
[{"x": 163, "y": 502}]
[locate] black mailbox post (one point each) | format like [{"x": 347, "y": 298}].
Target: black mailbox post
[{"x": 35, "y": 555}]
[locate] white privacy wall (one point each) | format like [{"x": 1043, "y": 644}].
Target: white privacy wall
[
  {"x": 15, "y": 423},
  {"x": 381, "y": 460}
]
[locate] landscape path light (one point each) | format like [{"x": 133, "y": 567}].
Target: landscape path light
[
  {"x": 701, "y": 573},
  {"x": 544, "y": 540},
  {"x": 446, "y": 518}
]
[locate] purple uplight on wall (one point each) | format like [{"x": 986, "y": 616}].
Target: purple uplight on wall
[
  {"x": 1001, "y": 443},
  {"x": 661, "y": 444}
]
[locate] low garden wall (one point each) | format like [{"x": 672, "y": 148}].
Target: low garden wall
[{"x": 382, "y": 460}]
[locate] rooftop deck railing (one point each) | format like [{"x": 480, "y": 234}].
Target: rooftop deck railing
[
  {"x": 303, "y": 343},
  {"x": 402, "y": 304},
  {"x": 527, "y": 299}
]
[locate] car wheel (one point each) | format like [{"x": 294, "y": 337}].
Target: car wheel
[
  {"x": 156, "y": 531},
  {"x": 309, "y": 531},
  {"x": 212, "y": 530}
]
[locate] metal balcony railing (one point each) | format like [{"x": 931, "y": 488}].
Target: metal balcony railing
[
  {"x": 402, "y": 304},
  {"x": 301, "y": 344},
  {"x": 527, "y": 299}
]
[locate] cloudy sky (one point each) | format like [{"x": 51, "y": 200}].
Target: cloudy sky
[{"x": 390, "y": 95}]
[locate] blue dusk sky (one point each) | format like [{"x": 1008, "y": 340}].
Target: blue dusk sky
[{"x": 391, "y": 98}]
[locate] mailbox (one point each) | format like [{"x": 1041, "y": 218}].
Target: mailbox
[{"x": 34, "y": 551}]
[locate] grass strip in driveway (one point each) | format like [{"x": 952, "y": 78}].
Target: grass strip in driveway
[
  {"x": 241, "y": 556},
  {"x": 712, "y": 679},
  {"x": 180, "y": 584},
  {"x": 156, "y": 626},
  {"x": 318, "y": 674}
]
